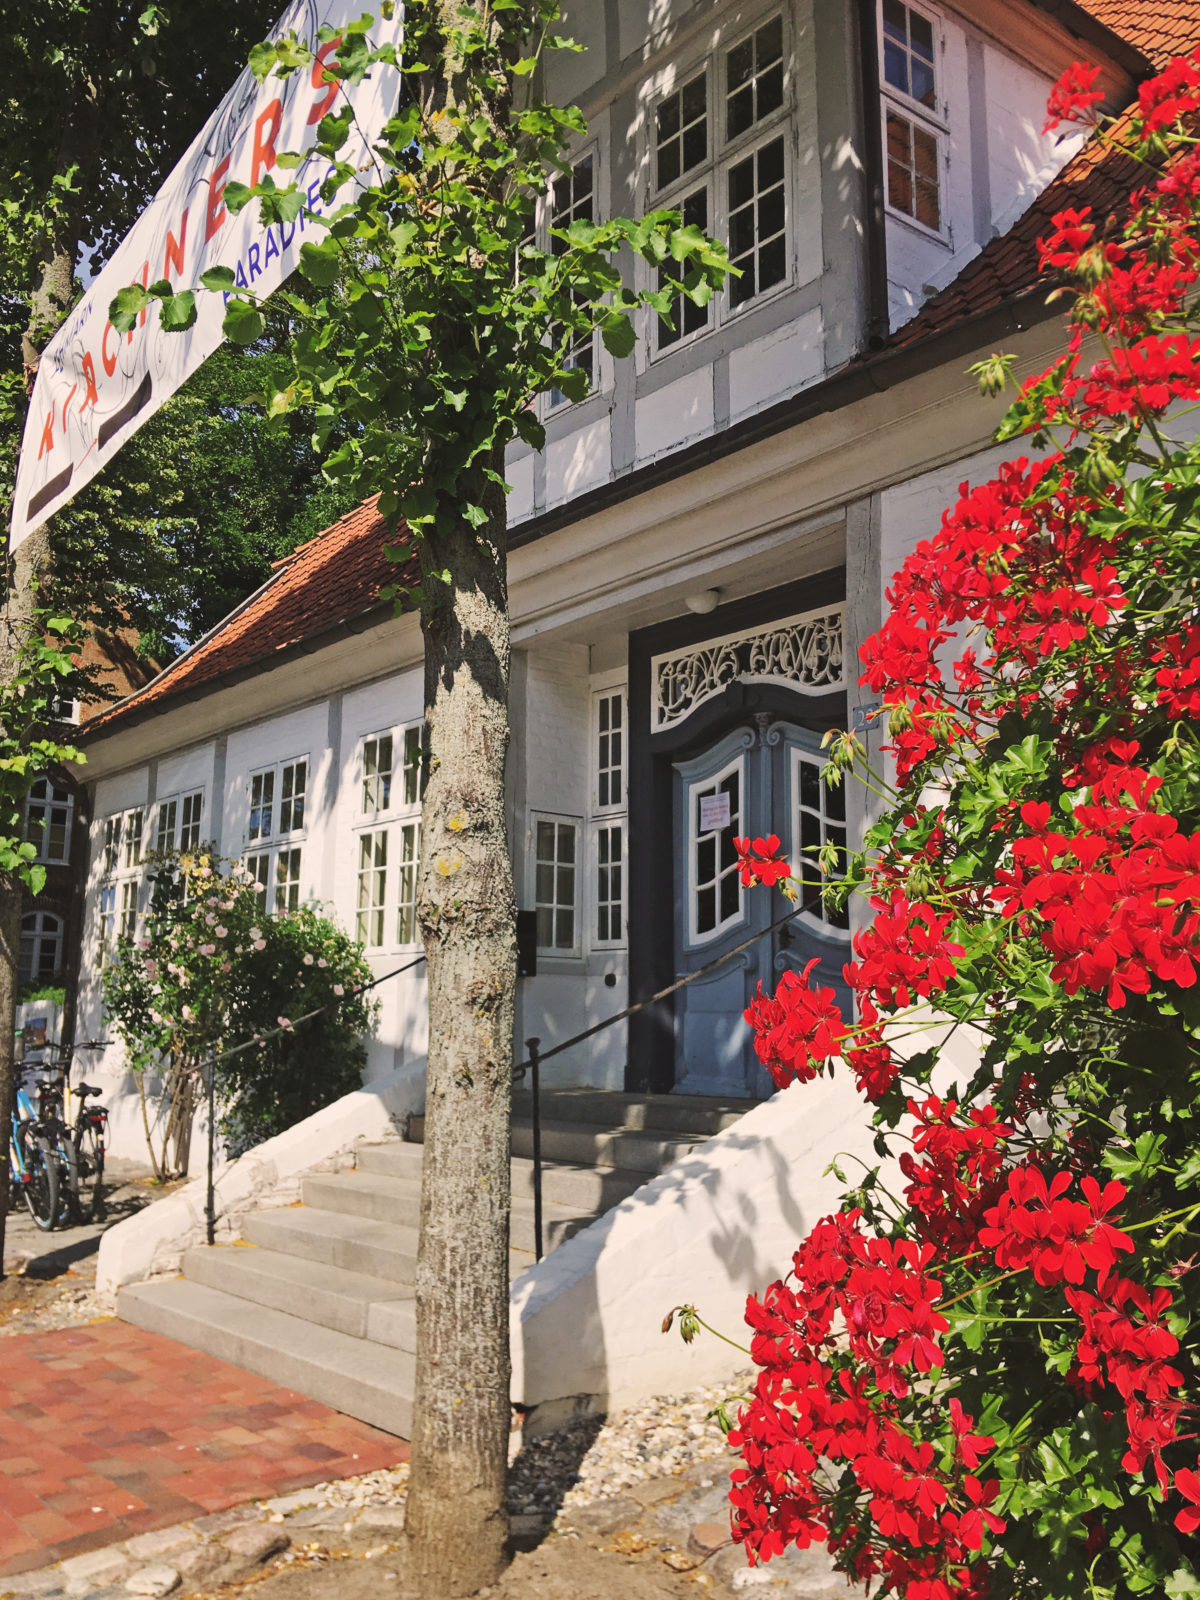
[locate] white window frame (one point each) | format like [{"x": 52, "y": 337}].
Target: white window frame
[
  {"x": 399, "y": 821},
  {"x": 35, "y": 938},
  {"x": 606, "y": 815},
  {"x": 540, "y": 222},
  {"x": 261, "y": 855},
  {"x": 712, "y": 174},
  {"x": 797, "y": 754},
  {"x": 120, "y": 840},
  {"x": 935, "y": 123},
  {"x": 697, "y": 940},
  {"x": 371, "y": 878},
  {"x": 50, "y": 801},
  {"x": 106, "y": 918},
  {"x": 578, "y": 909}
]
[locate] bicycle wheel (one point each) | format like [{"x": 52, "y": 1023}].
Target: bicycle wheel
[
  {"x": 41, "y": 1192},
  {"x": 70, "y": 1194},
  {"x": 88, "y": 1197}
]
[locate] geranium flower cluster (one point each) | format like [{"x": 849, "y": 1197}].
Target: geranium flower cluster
[
  {"x": 1035, "y": 878},
  {"x": 839, "y": 1351}
]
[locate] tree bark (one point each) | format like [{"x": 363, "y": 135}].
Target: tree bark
[{"x": 457, "y": 1520}]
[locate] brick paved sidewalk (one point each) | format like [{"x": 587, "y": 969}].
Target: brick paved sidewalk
[{"x": 108, "y": 1431}]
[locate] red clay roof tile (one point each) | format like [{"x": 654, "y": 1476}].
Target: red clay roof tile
[{"x": 336, "y": 576}]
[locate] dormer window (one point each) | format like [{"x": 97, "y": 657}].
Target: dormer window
[{"x": 913, "y": 126}]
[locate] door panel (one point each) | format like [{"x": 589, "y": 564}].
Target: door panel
[{"x": 769, "y": 779}]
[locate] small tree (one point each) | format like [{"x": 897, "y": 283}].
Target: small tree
[
  {"x": 215, "y": 970},
  {"x": 441, "y": 323},
  {"x": 985, "y": 1383}
]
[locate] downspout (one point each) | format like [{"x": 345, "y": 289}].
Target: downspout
[{"x": 874, "y": 220}]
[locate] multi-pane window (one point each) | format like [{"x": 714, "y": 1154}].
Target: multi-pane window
[
  {"x": 48, "y": 809},
  {"x": 754, "y": 78},
  {"x": 262, "y": 805},
  {"x": 681, "y": 131},
  {"x": 190, "y": 811},
  {"x": 372, "y": 887},
  {"x": 610, "y": 749},
  {"x": 406, "y": 896},
  {"x": 377, "y": 774},
  {"x": 121, "y": 867},
  {"x": 556, "y": 854},
  {"x": 610, "y": 896},
  {"x": 757, "y": 222},
  {"x": 606, "y": 830},
  {"x": 573, "y": 199},
  {"x": 386, "y": 840},
  {"x": 112, "y": 844},
  {"x": 41, "y": 952},
  {"x": 166, "y": 818},
  {"x": 127, "y": 927},
  {"x": 819, "y": 813},
  {"x": 720, "y": 159},
  {"x": 277, "y": 810},
  {"x": 107, "y": 918},
  {"x": 911, "y": 115},
  {"x": 714, "y": 822},
  {"x": 135, "y": 822},
  {"x": 287, "y": 880},
  {"x": 293, "y": 780}
]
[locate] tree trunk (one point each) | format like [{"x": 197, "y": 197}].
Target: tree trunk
[{"x": 457, "y": 1520}]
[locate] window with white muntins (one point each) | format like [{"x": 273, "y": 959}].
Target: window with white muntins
[
  {"x": 914, "y": 126},
  {"x": 573, "y": 199},
  {"x": 555, "y": 861},
  {"x": 177, "y": 822},
  {"x": 120, "y": 843},
  {"x": 275, "y": 831},
  {"x": 387, "y": 837},
  {"x": 49, "y": 808},
  {"x": 607, "y": 822},
  {"x": 719, "y": 155},
  {"x": 818, "y": 811}
]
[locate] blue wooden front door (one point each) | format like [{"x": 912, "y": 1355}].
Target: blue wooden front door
[{"x": 755, "y": 780}]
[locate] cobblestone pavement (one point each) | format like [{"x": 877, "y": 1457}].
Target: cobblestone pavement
[
  {"x": 107, "y": 1431},
  {"x": 636, "y": 1505}
]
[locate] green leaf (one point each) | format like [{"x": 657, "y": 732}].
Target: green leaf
[
  {"x": 243, "y": 322},
  {"x": 236, "y": 196},
  {"x": 127, "y": 305},
  {"x": 475, "y": 515},
  {"x": 319, "y": 263},
  {"x": 179, "y": 311},
  {"x": 220, "y": 278},
  {"x": 617, "y": 332}
]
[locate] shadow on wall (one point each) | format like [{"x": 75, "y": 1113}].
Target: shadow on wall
[{"x": 715, "y": 1227}]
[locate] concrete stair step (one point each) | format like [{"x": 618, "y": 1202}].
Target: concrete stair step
[
  {"x": 370, "y": 1381},
  {"x": 586, "y": 1144},
  {"x": 397, "y": 1202},
  {"x": 355, "y": 1244},
  {"x": 668, "y": 1113},
  {"x": 308, "y": 1289},
  {"x": 563, "y": 1183}
]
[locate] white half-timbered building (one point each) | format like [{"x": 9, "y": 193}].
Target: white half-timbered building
[{"x": 699, "y": 550}]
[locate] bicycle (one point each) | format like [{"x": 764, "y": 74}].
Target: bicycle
[
  {"x": 33, "y": 1164},
  {"x": 78, "y": 1148}
]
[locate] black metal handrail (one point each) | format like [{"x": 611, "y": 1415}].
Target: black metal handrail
[
  {"x": 537, "y": 1055},
  {"x": 531, "y": 1065}
]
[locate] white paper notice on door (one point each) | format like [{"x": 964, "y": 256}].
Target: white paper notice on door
[{"x": 714, "y": 812}]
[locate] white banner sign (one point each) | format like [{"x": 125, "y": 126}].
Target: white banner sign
[{"x": 94, "y": 386}]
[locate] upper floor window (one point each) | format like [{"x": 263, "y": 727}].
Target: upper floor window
[
  {"x": 913, "y": 126},
  {"x": 121, "y": 859},
  {"x": 573, "y": 199},
  {"x": 726, "y": 171},
  {"x": 177, "y": 822},
  {"x": 48, "y": 811}
]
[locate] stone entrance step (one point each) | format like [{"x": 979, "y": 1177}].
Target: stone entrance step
[{"x": 320, "y": 1296}]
